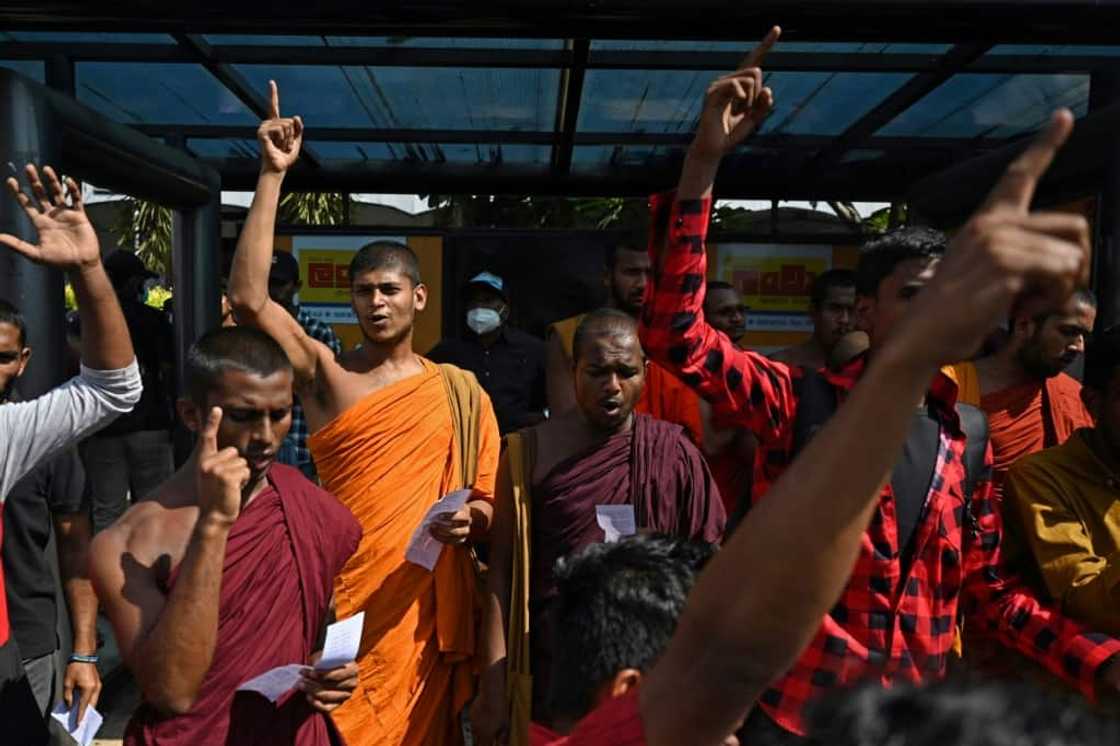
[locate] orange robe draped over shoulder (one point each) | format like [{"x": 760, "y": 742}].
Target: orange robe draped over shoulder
[
  {"x": 387, "y": 459},
  {"x": 1023, "y": 419},
  {"x": 664, "y": 397}
]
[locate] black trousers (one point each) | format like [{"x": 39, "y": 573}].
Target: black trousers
[{"x": 20, "y": 719}]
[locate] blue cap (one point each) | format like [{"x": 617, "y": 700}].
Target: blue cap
[{"x": 490, "y": 280}]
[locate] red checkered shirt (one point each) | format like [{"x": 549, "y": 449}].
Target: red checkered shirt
[{"x": 887, "y": 625}]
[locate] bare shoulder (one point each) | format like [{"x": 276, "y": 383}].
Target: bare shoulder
[{"x": 149, "y": 530}]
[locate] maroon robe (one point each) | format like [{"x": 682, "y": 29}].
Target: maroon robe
[
  {"x": 281, "y": 559},
  {"x": 655, "y": 468}
]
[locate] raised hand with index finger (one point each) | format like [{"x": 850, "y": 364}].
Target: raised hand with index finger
[
  {"x": 280, "y": 138},
  {"x": 221, "y": 475},
  {"x": 735, "y": 105},
  {"x": 1003, "y": 253}
]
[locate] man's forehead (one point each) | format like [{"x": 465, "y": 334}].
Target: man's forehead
[
  {"x": 609, "y": 344},
  {"x": 723, "y": 297},
  {"x": 845, "y": 294},
  {"x": 384, "y": 275},
  {"x": 9, "y": 333},
  {"x": 916, "y": 271},
  {"x": 242, "y": 386},
  {"x": 632, "y": 258}
]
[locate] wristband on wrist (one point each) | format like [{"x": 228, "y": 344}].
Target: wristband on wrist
[{"x": 79, "y": 658}]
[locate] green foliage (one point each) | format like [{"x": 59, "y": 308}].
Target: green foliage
[
  {"x": 157, "y": 296},
  {"x": 880, "y": 220},
  {"x": 71, "y": 298},
  {"x": 556, "y": 213},
  {"x": 312, "y": 208},
  {"x": 145, "y": 228}
]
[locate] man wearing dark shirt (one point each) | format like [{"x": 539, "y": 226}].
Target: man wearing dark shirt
[
  {"x": 52, "y": 493},
  {"x": 132, "y": 455},
  {"x": 509, "y": 363}
]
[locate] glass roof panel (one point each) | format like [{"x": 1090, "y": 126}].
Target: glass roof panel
[
  {"x": 84, "y": 37},
  {"x": 1054, "y": 49},
  {"x": 434, "y": 153},
  {"x": 31, "y": 68},
  {"x": 435, "y": 42},
  {"x": 669, "y": 102},
  {"x": 212, "y": 148},
  {"x": 595, "y": 158},
  {"x": 982, "y": 105},
  {"x": 414, "y": 98},
  {"x": 158, "y": 93}
]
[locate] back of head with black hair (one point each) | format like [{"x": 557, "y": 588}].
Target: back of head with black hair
[
  {"x": 231, "y": 348},
  {"x": 961, "y": 713},
  {"x": 599, "y": 322},
  {"x": 825, "y": 281},
  {"x": 1102, "y": 358},
  {"x": 382, "y": 254},
  {"x": 882, "y": 254},
  {"x": 9, "y": 314},
  {"x": 617, "y": 607}
]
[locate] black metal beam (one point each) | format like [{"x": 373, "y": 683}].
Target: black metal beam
[
  {"x": 1028, "y": 21},
  {"x": 236, "y": 83},
  {"x": 499, "y": 137},
  {"x": 651, "y": 59},
  {"x": 902, "y": 99},
  {"x": 567, "y": 112}
]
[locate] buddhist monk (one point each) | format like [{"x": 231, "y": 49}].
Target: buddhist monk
[
  {"x": 391, "y": 434},
  {"x": 626, "y": 277},
  {"x": 1030, "y": 402},
  {"x": 226, "y": 571},
  {"x": 558, "y": 474}
]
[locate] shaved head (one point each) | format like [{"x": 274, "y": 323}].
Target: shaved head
[
  {"x": 386, "y": 255},
  {"x": 604, "y": 322}
]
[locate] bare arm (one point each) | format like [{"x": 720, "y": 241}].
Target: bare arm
[
  {"x": 558, "y": 377},
  {"x": 741, "y": 630},
  {"x": 279, "y": 141},
  {"x": 74, "y": 532},
  {"x": 168, "y": 641}
]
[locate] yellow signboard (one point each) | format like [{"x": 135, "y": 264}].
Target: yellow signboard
[
  {"x": 324, "y": 273},
  {"x": 773, "y": 278}
]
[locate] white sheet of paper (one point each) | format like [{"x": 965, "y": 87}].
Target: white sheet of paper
[
  {"x": 423, "y": 549},
  {"x": 274, "y": 683},
  {"x": 616, "y": 521},
  {"x": 341, "y": 645},
  {"x": 67, "y": 717}
]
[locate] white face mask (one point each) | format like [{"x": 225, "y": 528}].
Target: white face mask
[{"x": 483, "y": 320}]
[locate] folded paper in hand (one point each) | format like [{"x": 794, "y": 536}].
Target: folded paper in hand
[
  {"x": 423, "y": 548},
  {"x": 616, "y": 521},
  {"x": 340, "y": 648},
  {"x": 82, "y": 732}
]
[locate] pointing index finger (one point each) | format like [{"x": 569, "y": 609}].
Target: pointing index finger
[
  {"x": 1017, "y": 185},
  {"x": 274, "y": 100},
  {"x": 208, "y": 440},
  {"x": 755, "y": 57}
]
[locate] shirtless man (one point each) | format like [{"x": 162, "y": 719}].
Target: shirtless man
[{"x": 226, "y": 572}]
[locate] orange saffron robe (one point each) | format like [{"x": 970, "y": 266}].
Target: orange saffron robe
[{"x": 388, "y": 458}]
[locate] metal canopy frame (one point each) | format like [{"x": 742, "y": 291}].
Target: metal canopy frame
[{"x": 796, "y": 165}]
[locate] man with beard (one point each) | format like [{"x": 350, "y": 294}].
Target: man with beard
[
  {"x": 391, "y": 433},
  {"x": 626, "y": 276},
  {"x": 1063, "y": 501},
  {"x": 1030, "y": 402},
  {"x": 225, "y": 572},
  {"x": 563, "y": 473},
  {"x": 832, "y": 307}
]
